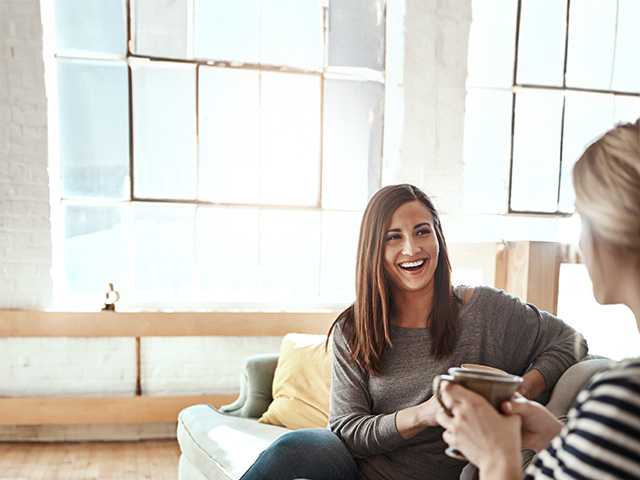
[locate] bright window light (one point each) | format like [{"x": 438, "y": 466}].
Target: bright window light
[
  {"x": 213, "y": 153},
  {"x": 572, "y": 69},
  {"x": 610, "y": 330}
]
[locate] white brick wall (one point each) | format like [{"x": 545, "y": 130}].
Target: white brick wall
[
  {"x": 435, "y": 70},
  {"x": 68, "y": 366},
  {"x": 25, "y": 245},
  {"x": 198, "y": 365}
]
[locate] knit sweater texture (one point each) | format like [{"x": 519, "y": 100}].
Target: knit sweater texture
[{"x": 496, "y": 330}]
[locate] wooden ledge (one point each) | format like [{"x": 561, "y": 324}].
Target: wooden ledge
[
  {"x": 101, "y": 410},
  {"x": 27, "y": 323}
]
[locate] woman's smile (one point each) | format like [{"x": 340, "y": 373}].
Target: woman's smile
[{"x": 414, "y": 267}]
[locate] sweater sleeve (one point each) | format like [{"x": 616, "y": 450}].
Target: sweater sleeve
[
  {"x": 351, "y": 418},
  {"x": 536, "y": 339}
]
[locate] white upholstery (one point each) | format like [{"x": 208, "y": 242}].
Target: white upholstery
[
  {"x": 187, "y": 470},
  {"x": 220, "y": 447}
]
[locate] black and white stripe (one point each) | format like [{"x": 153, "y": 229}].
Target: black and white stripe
[{"x": 601, "y": 440}]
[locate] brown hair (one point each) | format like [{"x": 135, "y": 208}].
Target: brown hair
[{"x": 365, "y": 323}]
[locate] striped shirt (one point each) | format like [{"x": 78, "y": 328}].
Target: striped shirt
[{"x": 601, "y": 439}]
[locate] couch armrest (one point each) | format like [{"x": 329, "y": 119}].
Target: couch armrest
[
  {"x": 571, "y": 382},
  {"x": 255, "y": 387}
]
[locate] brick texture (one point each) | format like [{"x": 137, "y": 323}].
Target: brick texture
[
  {"x": 25, "y": 240},
  {"x": 434, "y": 73}
]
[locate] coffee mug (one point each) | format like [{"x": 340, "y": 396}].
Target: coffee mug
[
  {"x": 485, "y": 368},
  {"x": 495, "y": 387}
]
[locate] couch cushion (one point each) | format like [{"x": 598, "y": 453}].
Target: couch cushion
[
  {"x": 301, "y": 383},
  {"x": 220, "y": 446},
  {"x": 574, "y": 379}
]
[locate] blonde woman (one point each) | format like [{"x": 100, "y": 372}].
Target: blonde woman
[{"x": 601, "y": 439}]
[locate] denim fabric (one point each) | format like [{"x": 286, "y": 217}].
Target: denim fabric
[{"x": 313, "y": 454}]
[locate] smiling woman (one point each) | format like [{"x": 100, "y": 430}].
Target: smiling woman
[
  {"x": 407, "y": 324},
  {"x": 401, "y": 225}
]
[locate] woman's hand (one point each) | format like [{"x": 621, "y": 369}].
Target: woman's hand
[
  {"x": 488, "y": 439},
  {"x": 533, "y": 384},
  {"x": 539, "y": 425},
  {"x": 410, "y": 421}
]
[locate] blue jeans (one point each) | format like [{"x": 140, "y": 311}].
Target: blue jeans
[{"x": 313, "y": 454}]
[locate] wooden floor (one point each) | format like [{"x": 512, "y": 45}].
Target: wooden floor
[{"x": 95, "y": 460}]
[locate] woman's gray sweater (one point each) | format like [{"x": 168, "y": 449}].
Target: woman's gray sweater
[{"x": 496, "y": 330}]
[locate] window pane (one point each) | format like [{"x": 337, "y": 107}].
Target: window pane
[
  {"x": 163, "y": 263},
  {"x": 492, "y": 39},
  {"x": 356, "y": 33},
  {"x": 94, "y": 128},
  {"x": 291, "y": 33},
  {"x": 90, "y": 26},
  {"x": 227, "y": 30},
  {"x": 487, "y": 150},
  {"x": 352, "y": 142},
  {"x": 536, "y": 151},
  {"x": 541, "y": 42},
  {"x": 340, "y": 232},
  {"x": 227, "y": 247},
  {"x": 626, "y": 71},
  {"x": 290, "y": 138},
  {"x": 592, "y": 25},
  {"x": 161, "y": 29},
  {"x": 229, "y": 165},
  {"x": 290, "y": 256},
  {"x": 95, "y": 252},
  {"x": 626, "y": 109},
  {"x": 164, "y": 128},
  {"x": 577, "y": 305},
  {"x": 586, "y": 117}
]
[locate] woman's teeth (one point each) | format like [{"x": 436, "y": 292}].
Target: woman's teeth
[{"x": 412, "y": 265}]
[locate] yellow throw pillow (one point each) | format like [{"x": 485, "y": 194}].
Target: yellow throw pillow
[{"x": 301, "y": 383}]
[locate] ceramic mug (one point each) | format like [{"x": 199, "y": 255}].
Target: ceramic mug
[
  {"x": 486, "y": 368},
  {"x": 495, "y": 387}
]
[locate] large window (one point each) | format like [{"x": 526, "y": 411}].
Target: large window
[
  {"x": 215, "y": 152},
  {"x": 545, "y": 78}
]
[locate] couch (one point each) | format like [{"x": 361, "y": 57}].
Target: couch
[{"x": 222, "y": 444}]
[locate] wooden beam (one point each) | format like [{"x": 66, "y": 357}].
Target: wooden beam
[
  {"x": 27, "y": 323},
  {"x": 100, "y": 410},
  {"x": 502, "y": 257},
  {"x": 531, "y": 271},
  {"x": 544, "y": 275}
]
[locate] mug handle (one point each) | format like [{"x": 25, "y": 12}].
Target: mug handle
[{"x": 437, "y": 380}]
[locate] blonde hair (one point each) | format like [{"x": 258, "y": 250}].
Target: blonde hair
[{"x": 606, "y": 179}]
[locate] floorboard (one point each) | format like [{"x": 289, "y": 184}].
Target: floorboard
[{"x": 145, "y": 460}]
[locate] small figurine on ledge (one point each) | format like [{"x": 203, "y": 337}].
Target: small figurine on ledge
[{"x": 112, "y": 296}]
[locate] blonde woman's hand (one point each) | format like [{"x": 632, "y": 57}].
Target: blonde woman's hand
[
  {"x": 490, "y": 440},
  {"x": 539, "y": 425}
]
